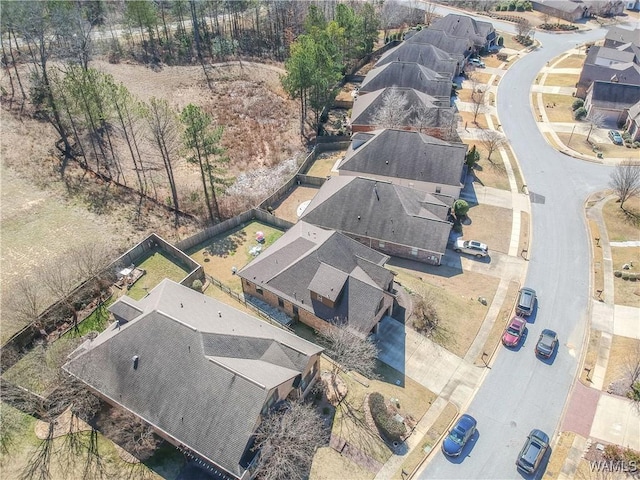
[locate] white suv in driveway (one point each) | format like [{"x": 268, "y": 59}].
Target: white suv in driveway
[{"x": 471, "y": 247}]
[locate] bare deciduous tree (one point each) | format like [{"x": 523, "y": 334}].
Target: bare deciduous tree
[
  {"x": 393, "y": 112},
  {"x": 523, "y": 27},
  {"x": 429, "y": 13},
  {"x": 478, "y": 95},
  {"x": 89, "y": 259},
  {"x": 287, "y": 440},
  {"x": 625, "y": 181},
  {"x": 425, "y": 314},
  {"x": 26, "y": 300},
  {"x": 350, "y": 350},
  {"x": 492, "y": 141},
  {"x": 632, "y": 366},
  {"x": 596, "y": 119}
]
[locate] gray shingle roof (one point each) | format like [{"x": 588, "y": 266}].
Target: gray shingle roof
[
  {"x": 448, "y": 43},
  {"x": 405, "y": 154},
  {"x": 367, "y": 208},
  {"x": 408, "y": 75},
  {"x": 204, "y": 369},
  {"x": 617, "y": 96},
  {"x": 439, "y": 113},
  {"x": 619, "y": 35},
  {"x": 125, "y": 308},
  {"x": 309, "y": 259},
  {"x": 628, "y": 73},
  {"x": 426, "y": 55},
  {"x": 464, "y": 26}
]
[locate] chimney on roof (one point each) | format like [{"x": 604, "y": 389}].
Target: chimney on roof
[{"x": 135, "y": 362}]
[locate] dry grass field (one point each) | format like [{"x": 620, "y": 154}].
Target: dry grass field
[
  {"x": 490, "y": 225},
  {"x": 622, "y": 357},
  {"x": 287, "y": 208},
  {"x": 324, "y": 163},
  {"x": 561, "y": 80},
  {"x": 621, "y": 226},
  {"x": 444, "y": 285},
  {"x": 558, "y": 107},
  {"x": 572, "y": 61},
  {"x": 627, "y": 292}
]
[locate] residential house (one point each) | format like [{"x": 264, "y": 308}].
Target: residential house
[
  {"x": 632, "y": 5},
  {"x": 574, "y": 10},
  {"x": 605, "y": 64},
  {"x": 482, "y": 34},
  {"x": 408, "y": 158},
  {"x": 429, "y": 56},
  {"x": 433, "y": 116},
  {"x": 201, "y": 373},
  {"x": 632, "y": 124},
  {"x": 617, "y": 36},
  {"x": 320, "y": 276},
  {"x": 392, "y": 219},
  {"x": 449, "y": 43},
  {"x": 610, "y": 102},
  {"x": 408, "y": 75}
]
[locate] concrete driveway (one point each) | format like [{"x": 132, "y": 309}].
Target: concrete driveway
[
  {"x": 414, "y": 355},
  {"x": 617, "y": 421}
]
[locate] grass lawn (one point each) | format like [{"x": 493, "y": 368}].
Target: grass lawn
[
  {"x": 622, "y": 226},
  {"x": 330, "y": 465},
  {"x": 609, "y": 150},
  {"x": 323, "y": 164},
  {"x": 591, "y": 356},
  {"x": 231, "y": 249},
  {"x": 479, "y": 76},
  {"x": 288, "y": 206},
  {"x": 524, "y": 232},
  {"x": 158, "y": 266},
  {"x": 433, "y": 435},
  {"x": 562, "y": 80},
  {"x": 510, "y": 42},
  {"x": 495, "y": 334},
  {"x": 515, "y": 168},
  {"x": 627, "y": 292},
  {"x": 598, "y": 265},
  {"x": 559, "y": 454},
  {"x": 467, "y": 118},
  {"x": 65, "y": 461},
  {"x": 96, "y": 322},
  {"x": 621, "y": 358},
  {"x": 349, "y": 422},
  {"x": 492, "y": 61},
  {"x": 572, "y": 61},
  {"x": 464, "y": 94},
  {"x": 490, "y": 225},
  {"x": 38, "y": 370},
  {"x": 455, "y": 296},
  {"x": 561, "y": 112},
  {"x": 489, "y": 173}
]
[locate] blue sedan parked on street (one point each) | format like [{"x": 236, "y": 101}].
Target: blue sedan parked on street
[{"x": 459, "y": 435}]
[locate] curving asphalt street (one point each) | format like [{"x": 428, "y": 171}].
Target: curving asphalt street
[{"x": 521, "y": 392}]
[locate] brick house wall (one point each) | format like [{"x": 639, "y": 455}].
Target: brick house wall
[
  {"x": 397, "y": 250},
  {"x": 302, "y": 314}
]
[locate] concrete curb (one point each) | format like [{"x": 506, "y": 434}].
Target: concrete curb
[{"x": 428, "y": 455}]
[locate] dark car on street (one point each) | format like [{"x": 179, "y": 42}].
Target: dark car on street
[
  {"x": 533, "y": 451},
  {"x": 459, "y": 435},
  {"x": 546, "y": 343}
]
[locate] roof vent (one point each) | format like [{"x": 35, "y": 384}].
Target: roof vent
[
  {"x": 219, "y": 313},
  {"x": 135, "y": 361}
]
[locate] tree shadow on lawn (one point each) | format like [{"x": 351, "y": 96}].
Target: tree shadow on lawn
[{"x": 227, "y": 245}]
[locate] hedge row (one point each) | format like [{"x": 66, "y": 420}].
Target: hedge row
[
  {"x": 386, "y": 423},
  {"x": 625, "y": 275}
]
